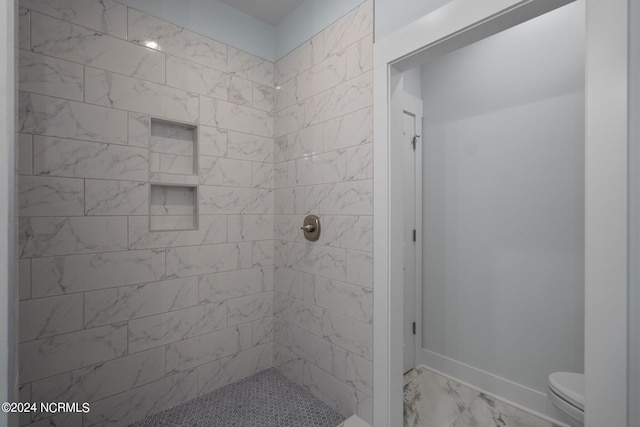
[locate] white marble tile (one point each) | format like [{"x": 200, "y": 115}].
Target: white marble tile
[
  {"x": 349, "y": 300},
  {"x": 262, "y": 175},
  {"x": 102, "y": 380},
  {"x": 349, "y": 29},
  {"x": 171, "y": 164},
  {"x": 288, "y": 363},
  {"x": 49, "y": 196},
  {"x": 227, "y": 370},
  {"x": 262, "y": 330},
  {"x": 347, "y": 97},
  {"x": 69, "y": 419},
  {"x": 24, "y": 28},
  {"x": 295, "y": 62},
  {"x": 192, "y": 352},
  {"x": 348, "y": 231},
  {"x": 287, "y": 227},
  {"x": 360, "y": 162},
  {"x": 167, "y": 328},
  {"x": 218, "y": 113},
  {"x": 288, "y": 120},
  {"x": 50, "y": 76},
  {"x": 49, "y": 236},
  {"x": 24, "y": 158},
  {"x": 250, "y": 227},
  {"x": 325, "y": 75},
  {"x": 116, "y": 197},
  {"x": 43, "y": 317},
  {"x": 132, "y": 302},
  {"x": 318, "y": 169},
  {"x": 172, "y": 223},
  {"x": 240, "y": 91},
  {"x": 359, "y": 373},
  {"x": 211, "y": 229},
  {"x": 289, "y": 200},
  {"x": 78, "y": 44},
  {"x": 207, "y": 259},
  {"x": 84, "y": 159},
  {"x": 284, "y": 95},
  {"x": 337, "y": 394},
  {"x": 344, "y": 198},
  {"x": 246, "y": 146},
  {"x": 262, "y": 253},
  {"x": 176, "y": 40},
  {"x": 323, "y": 261},
  {"x": 197, "y": 78},
  {"x": 24, "y": 395},
  {"x": 250, "y": 67},
  {"x": 235, "y": 200},
  {"x": 232, "y": 284},
  {"x": 128, "y": 93},
  {"x": 138, "y": 403},
  {"x": 212, "y": 141},
  {"x": 223, "y": 171},
  {"x": 264, "y": 97},
  {"x": 288, "y": 282},
  {"x": 487, "y": 411},
  {"x": 105, "y": 16},
  {"x": 360, "y": 57},
  {"x": 347, "y": 131},
  {"x": 360, "y": 268},
  {"x": 314, "y": 349},
  {"x": 172, "y": 138},
  {"x": 348, "y": 333},
  {"x": 43, "y": 115},
  {"x": 24, "y": 279},
  {"x": 432, "y": 400},
  {"x": 307, "y": 142},
  {"x": 172, "y": 200},
  {"x": 54, "y": 355},
  {"x": 78, "y": 273},
  {"x": 250, "y": 307},
  {"x": 139, "y": 130}
]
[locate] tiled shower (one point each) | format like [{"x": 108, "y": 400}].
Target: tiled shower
[{"x": 163, "y": 179}]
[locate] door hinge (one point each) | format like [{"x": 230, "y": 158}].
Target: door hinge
[
  {"x": 414, "y": 328},
  {"x": 414, "y": 140},
  {"x": 414, "y": 235}
]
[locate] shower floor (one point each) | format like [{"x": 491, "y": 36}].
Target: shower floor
[
  {"x": 431, "y": 400},
  {"x": 265, "y": 399}
]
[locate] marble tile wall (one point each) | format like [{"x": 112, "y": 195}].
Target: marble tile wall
[
  {"x": 323, "y": 153},
  {"x": 113, "y": 313}
]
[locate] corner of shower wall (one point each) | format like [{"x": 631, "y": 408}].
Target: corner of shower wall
[
  {"x": 323, "y": 155},
  {"x": 113, "y": 313}
]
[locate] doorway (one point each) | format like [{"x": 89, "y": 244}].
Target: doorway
[{"x": 458, "y": 24}]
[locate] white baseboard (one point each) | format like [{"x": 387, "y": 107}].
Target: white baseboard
[{"x": 514, "y": 394}]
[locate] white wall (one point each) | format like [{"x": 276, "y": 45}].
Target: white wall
[
  {"x": 215, "y": 20},
  {"x": 8, "y": 296},
  {"x": 390, "y": 16},
  {"x": 504, "y": 201}
]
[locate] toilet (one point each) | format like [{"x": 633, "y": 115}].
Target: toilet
[{"x": 566, "y": 391}]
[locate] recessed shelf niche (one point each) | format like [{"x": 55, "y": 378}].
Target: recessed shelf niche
[
  {"x": 172, "y": 148},
  {"x": 173, "y": 207}
]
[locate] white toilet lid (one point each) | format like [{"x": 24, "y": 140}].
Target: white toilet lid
[{"x": 569, "y": 386}]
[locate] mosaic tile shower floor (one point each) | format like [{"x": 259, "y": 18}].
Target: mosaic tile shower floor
[{"x": 265, "y": 399}]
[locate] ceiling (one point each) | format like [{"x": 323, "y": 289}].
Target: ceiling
[{"x": 269, "y": 11}]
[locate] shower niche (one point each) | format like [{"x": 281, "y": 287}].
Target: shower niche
[{"x": 173, "y": 164}]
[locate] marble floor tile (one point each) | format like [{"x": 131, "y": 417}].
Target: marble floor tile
[{"x": 432, "y": 400}]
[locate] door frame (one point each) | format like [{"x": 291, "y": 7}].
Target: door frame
[
  {"x": 414, "y": 106},
  {"x": 457, "y": 24}
]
